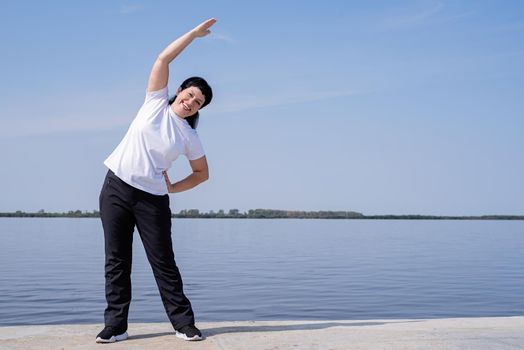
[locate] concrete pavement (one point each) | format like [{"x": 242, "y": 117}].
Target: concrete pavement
[{"x": 456, "y": 333}]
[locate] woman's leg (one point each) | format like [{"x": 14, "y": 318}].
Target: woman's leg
[
  {"x": 154, "y": 225},
  {"x": 118, "y": 222}
]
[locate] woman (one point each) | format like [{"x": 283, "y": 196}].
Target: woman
[{"x": 135, "y": 192}]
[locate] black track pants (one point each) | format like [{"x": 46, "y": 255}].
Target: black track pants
[{"x": 121, "y": 208}]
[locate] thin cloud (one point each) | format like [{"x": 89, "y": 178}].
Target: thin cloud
[
  {"x": 245, "y": 103},
  {"x": 47, "y": 125},
  {"x": 130, "y": 8},
  {"x": 415, "y": 17},
  {"x": 432, "y": 13},
  {"x": 106, "y": 113},
  {"x": 516, "y": 26},
  {"x": 223, "y": 37},
  {"x": 107, "y": 116}
]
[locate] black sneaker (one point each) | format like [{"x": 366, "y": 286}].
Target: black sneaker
[
  {"x": 189, "y": 332},
  {"x": 111, "y": 335}
]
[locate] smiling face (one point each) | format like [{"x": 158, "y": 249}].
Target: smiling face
[{"x": 188, "y": 102}]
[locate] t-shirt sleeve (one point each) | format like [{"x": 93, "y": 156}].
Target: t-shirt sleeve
[
  {"x": 154, "y": 102},
  {"x": 194, "y": 149},
  {"x": 157, "y": 96}
]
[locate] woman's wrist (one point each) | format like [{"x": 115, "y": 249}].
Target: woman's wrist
[{"x": 193, "y": 34}]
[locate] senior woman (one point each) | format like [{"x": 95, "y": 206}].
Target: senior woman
[{"x": 135, "y": 192}]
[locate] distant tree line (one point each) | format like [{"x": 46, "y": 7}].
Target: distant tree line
[
  {"x": 43, "y": 214},
  {"x": 266, "y": 214},
  {"x": 269, "y": 214}
]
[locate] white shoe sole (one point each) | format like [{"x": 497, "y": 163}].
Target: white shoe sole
[
  {"x": 113, "y": 339},
  {"x": 185, "y": 337}
]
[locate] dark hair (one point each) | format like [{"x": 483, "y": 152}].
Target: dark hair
[{"x": 206, "y": 91}]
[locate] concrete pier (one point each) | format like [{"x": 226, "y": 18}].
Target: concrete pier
[{"x": 456, "y": 333}]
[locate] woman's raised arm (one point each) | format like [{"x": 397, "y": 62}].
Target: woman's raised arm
[{"x": 160, "y": 72}]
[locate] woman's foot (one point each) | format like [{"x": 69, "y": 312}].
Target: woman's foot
[
  {"x": 189, "y": 332},
  {"x": 111, "y": 335}
]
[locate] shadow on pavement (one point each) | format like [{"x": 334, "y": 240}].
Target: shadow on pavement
[
  {"x": 292, "y": 327},
  {"x": 151, "y": 335},
  {"x": 210, "y": 332}
]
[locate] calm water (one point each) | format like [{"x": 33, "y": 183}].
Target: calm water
[{"x": 51, "y": 270}]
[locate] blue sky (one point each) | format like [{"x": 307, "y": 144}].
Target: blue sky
[{"x": 381, "y": 107}]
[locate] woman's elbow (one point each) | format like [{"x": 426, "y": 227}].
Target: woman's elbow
[
  {"x": 162, "y": 59},
  {"x": 203, "y": 176}
]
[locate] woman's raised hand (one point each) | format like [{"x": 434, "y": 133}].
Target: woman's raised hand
[
  {"x": 203, "y": 28},
  {"x": 160, "y": 71}
]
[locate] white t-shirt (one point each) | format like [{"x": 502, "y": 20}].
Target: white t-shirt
[{"x": 156, "y": 137}]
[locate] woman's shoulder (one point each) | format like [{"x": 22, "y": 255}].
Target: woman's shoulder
[{"x": 162, "y": 95}]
